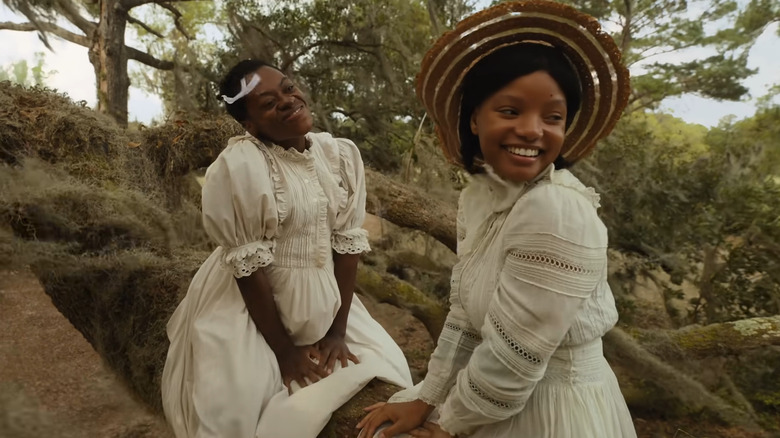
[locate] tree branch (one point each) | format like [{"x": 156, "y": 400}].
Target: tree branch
[
  {"x": 81, "y": 40},
  {"x": 130, "y": 4},
  {"x": 47, "y": 27},
  {"x": 147, "y": 59},
  {"x": 71, "y": 13},
  {"x": 144, "y": 26},
  {"x": 339, "y": 43},
  {"x": 176, "y": 18}
]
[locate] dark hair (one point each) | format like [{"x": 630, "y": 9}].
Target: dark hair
[
  {"x": 500, "y": 68},
  {"x": 231, "y": 85}
]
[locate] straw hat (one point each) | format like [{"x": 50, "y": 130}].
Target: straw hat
[{"x": 595, "y": 57}]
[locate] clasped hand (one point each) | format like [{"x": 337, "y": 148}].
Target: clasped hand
[{"x": 314, "y": 362}]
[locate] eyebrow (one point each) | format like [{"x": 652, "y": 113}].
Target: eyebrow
[{"x": 284, "y": 78}]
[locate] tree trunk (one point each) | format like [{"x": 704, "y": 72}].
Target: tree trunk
[
  {"x": 408, "y": 207},
  {"x": 109, "y": 59}
]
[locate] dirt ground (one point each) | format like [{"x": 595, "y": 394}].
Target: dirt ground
[{"x": 53, "y": 384}]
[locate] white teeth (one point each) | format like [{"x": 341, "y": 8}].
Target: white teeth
[{"x": 523, "y": 151}]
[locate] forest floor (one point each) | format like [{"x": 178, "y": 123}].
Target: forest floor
[{"x": 53, "y": 384}]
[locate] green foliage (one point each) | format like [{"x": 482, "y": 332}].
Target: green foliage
[
  {"x": 724, "y": 30},
  {"x": 704, "y": 208},
  {"x": 22, "y": 73}
]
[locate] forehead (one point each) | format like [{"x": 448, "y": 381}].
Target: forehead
[
  {"x": 536, "y": 83},
  {"x": 269, "y": 79}
]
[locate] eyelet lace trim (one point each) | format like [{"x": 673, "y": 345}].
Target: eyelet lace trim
[
  {"x": 552, "y": 260},
  {"x": 514, "y": 345},
  {"x": 246, "y": 259},
  {"x": 467, "y": 334},
  {"x": 246, "y": 267},
  {"x": 484, "y": 396},
  {"x": 351, "y": 242}
]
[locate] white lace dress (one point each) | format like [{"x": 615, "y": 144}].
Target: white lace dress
[
  {"x": 520, "y": 354},
  {"x": 284, "y": 211}
]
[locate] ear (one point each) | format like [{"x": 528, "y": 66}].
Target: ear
[{"x": 473, "y": 123}]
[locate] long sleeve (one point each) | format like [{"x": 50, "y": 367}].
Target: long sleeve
[
  {"x": 555, "y": 255},
  {"x": 239, "y": 207},
  {"x": 348, "y": 235},
  {"x": 456, "y": 341}
]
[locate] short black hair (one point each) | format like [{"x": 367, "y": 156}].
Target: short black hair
[
  {"x": 231, "y": 85},
  {"x": 500, "y": 68}
]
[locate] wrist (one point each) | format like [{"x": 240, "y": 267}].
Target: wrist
[
  {"x": 283, "y": 348},
  {"x": 337, "y": 332},
  {"x": 424, "y": 407}
]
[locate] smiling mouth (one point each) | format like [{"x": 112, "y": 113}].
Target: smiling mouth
[
  {"x": 295, "y": 113},
  {"x": 523, "y": 152}
]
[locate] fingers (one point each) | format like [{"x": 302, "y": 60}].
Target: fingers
[
  {"x": 374, "y": 406},
  {"x": 396, "y": 428},
  {"x": 420, "y": 433},
  {"x": 301, "y": 382},
  {"x": 331, "y": 361},
  {"x": 353, "y": 358},
  {"x": 344, "y": 358},
  {"x": 371, "y": 422},
  {"x": 314, "y": 353}
]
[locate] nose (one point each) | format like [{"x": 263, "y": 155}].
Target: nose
[
  {"x": 529, "y": 127},
  {"x": 287, "y": 102}
]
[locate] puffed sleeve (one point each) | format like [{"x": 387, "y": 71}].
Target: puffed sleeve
[
  {"x": 348, "y": 236},
  {"x": 555, "y": 256},
  {"x": 239, "y": 208}
]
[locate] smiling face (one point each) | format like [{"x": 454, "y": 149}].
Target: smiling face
[
  {"x": 277, "y": 111},
  {"x": 521, "y": 126}
]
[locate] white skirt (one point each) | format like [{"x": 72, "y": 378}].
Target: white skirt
[
  {"x": 221, "y": 378},
  {"x": 578, "y": 397}
]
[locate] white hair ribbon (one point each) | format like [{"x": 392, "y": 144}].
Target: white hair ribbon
[{"x": 245, "y": 89}]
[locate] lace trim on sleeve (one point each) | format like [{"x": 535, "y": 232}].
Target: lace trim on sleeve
[
  {"x": 554, "y": 261},
  {"x": 354, "y": 241},
  {"x": 513, "y": 344},
  {"x": 557, "y": 265},
  {"x": 485, "y": 396},
  {"x": 456, "y": 344},
  {"x": 246, "y": 259}
]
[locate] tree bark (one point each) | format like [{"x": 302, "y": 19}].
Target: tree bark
[
  {"x": 409, "y": 207},
  {"x": 109, "y": 59}
]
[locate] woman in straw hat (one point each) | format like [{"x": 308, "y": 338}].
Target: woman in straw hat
[
  {"x": 286, "y": 207},
  {"x": 518, "y": 93}
]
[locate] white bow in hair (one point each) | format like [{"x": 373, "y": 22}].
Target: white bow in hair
[{"x": 245, "y": 89}]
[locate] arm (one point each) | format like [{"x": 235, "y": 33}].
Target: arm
[
  {"x": 295, "y": 363},
  {"x": 345, "y": 269},
  {"x": 555, "y": 256},
  {"x": 348, "y": 241},
  {"x": 454, "y": 347}
]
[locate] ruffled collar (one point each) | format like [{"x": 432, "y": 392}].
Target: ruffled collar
[
  {"x": 503, "y": 194},
  {"x": 290, "y": 154}
]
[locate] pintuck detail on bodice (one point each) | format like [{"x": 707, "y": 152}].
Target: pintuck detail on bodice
[
  {"x": 291, "y": 208},
  {"x": 531, "y": 278}
]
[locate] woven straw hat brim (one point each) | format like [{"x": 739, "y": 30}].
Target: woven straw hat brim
[{"x": 595, "y": 56}]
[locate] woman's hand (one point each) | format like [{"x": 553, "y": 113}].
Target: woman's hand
[
  {"x": 404, "y": 416},
  {"x": 430, "y": 430},
  {"x": 297, "y": 364},
  {"x": 332, "y": 348}
]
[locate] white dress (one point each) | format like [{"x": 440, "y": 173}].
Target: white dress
[
  {"x": 520, "y": 354},
  {"x": 283, "y": 211}
]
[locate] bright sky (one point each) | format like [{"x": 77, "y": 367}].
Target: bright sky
[{"x": 75, "y": 76}]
